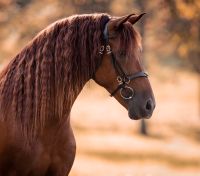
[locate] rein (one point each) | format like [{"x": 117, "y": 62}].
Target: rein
[{"x": 123, "y": 79}]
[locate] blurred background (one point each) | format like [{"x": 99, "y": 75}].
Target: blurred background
[{"x": 108, "y": 142}]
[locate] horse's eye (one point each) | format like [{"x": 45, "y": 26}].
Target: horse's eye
[{"x": 122, "y": 54}]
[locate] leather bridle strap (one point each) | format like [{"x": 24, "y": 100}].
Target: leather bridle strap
[
  {"x": 138, "y": 75},
  {"x": 118, "y": 69},
  {"x": 122, "y": 78},
  {"x": 129, "y": 78}
]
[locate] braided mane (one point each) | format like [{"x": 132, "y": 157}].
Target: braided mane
[{"x": 43, "y": 79}]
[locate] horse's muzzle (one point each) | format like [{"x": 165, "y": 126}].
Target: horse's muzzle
[{"x": 145, "y": 111}]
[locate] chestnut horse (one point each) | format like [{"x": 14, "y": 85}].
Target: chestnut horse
[{"x": 41, "y": 83}]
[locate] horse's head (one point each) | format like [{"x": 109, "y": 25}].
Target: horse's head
[{"x": 121, "y": 72}]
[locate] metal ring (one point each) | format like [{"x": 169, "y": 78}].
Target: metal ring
[
  {"x": 130, "y": 89},
  {"x": 119, "y": 79}
]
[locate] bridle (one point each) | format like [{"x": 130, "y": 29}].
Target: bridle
[{"x": 123, "y": 79}]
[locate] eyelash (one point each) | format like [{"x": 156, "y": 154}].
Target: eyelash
[{"x": 122, "y": 54}]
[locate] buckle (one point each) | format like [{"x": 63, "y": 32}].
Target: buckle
[
  {"x": 126, "y": 80},
  {"x": 101, "y": 50},
  {"x": 119, "y": 80},
  {"x": 108, "y": 49}
]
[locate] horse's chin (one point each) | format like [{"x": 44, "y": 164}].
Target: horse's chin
[{"x": 133, "y": 116}]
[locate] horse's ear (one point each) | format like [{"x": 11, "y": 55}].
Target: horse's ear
[
  {"x": 116, "y": 23},
  {"x": 134, "y": 18}
]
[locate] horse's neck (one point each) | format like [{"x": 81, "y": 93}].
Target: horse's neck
[
  {"x": 68, "y": 100},
  {"x": 51, "y": 82}
]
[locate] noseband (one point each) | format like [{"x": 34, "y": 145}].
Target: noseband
[{"x": 123, "y": 79}]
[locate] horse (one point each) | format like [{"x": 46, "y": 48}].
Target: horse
[{"x": 40, "y": 84}]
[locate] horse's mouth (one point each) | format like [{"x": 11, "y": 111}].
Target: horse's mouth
[{"x": 133, "y": 116}]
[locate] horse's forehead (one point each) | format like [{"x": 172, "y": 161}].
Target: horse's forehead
[
  {"x": 139, "y": 40},
  {"x": 134, "y": 43}
]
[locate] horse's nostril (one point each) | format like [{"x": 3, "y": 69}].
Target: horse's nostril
[{"x": 149, "y": 105}]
